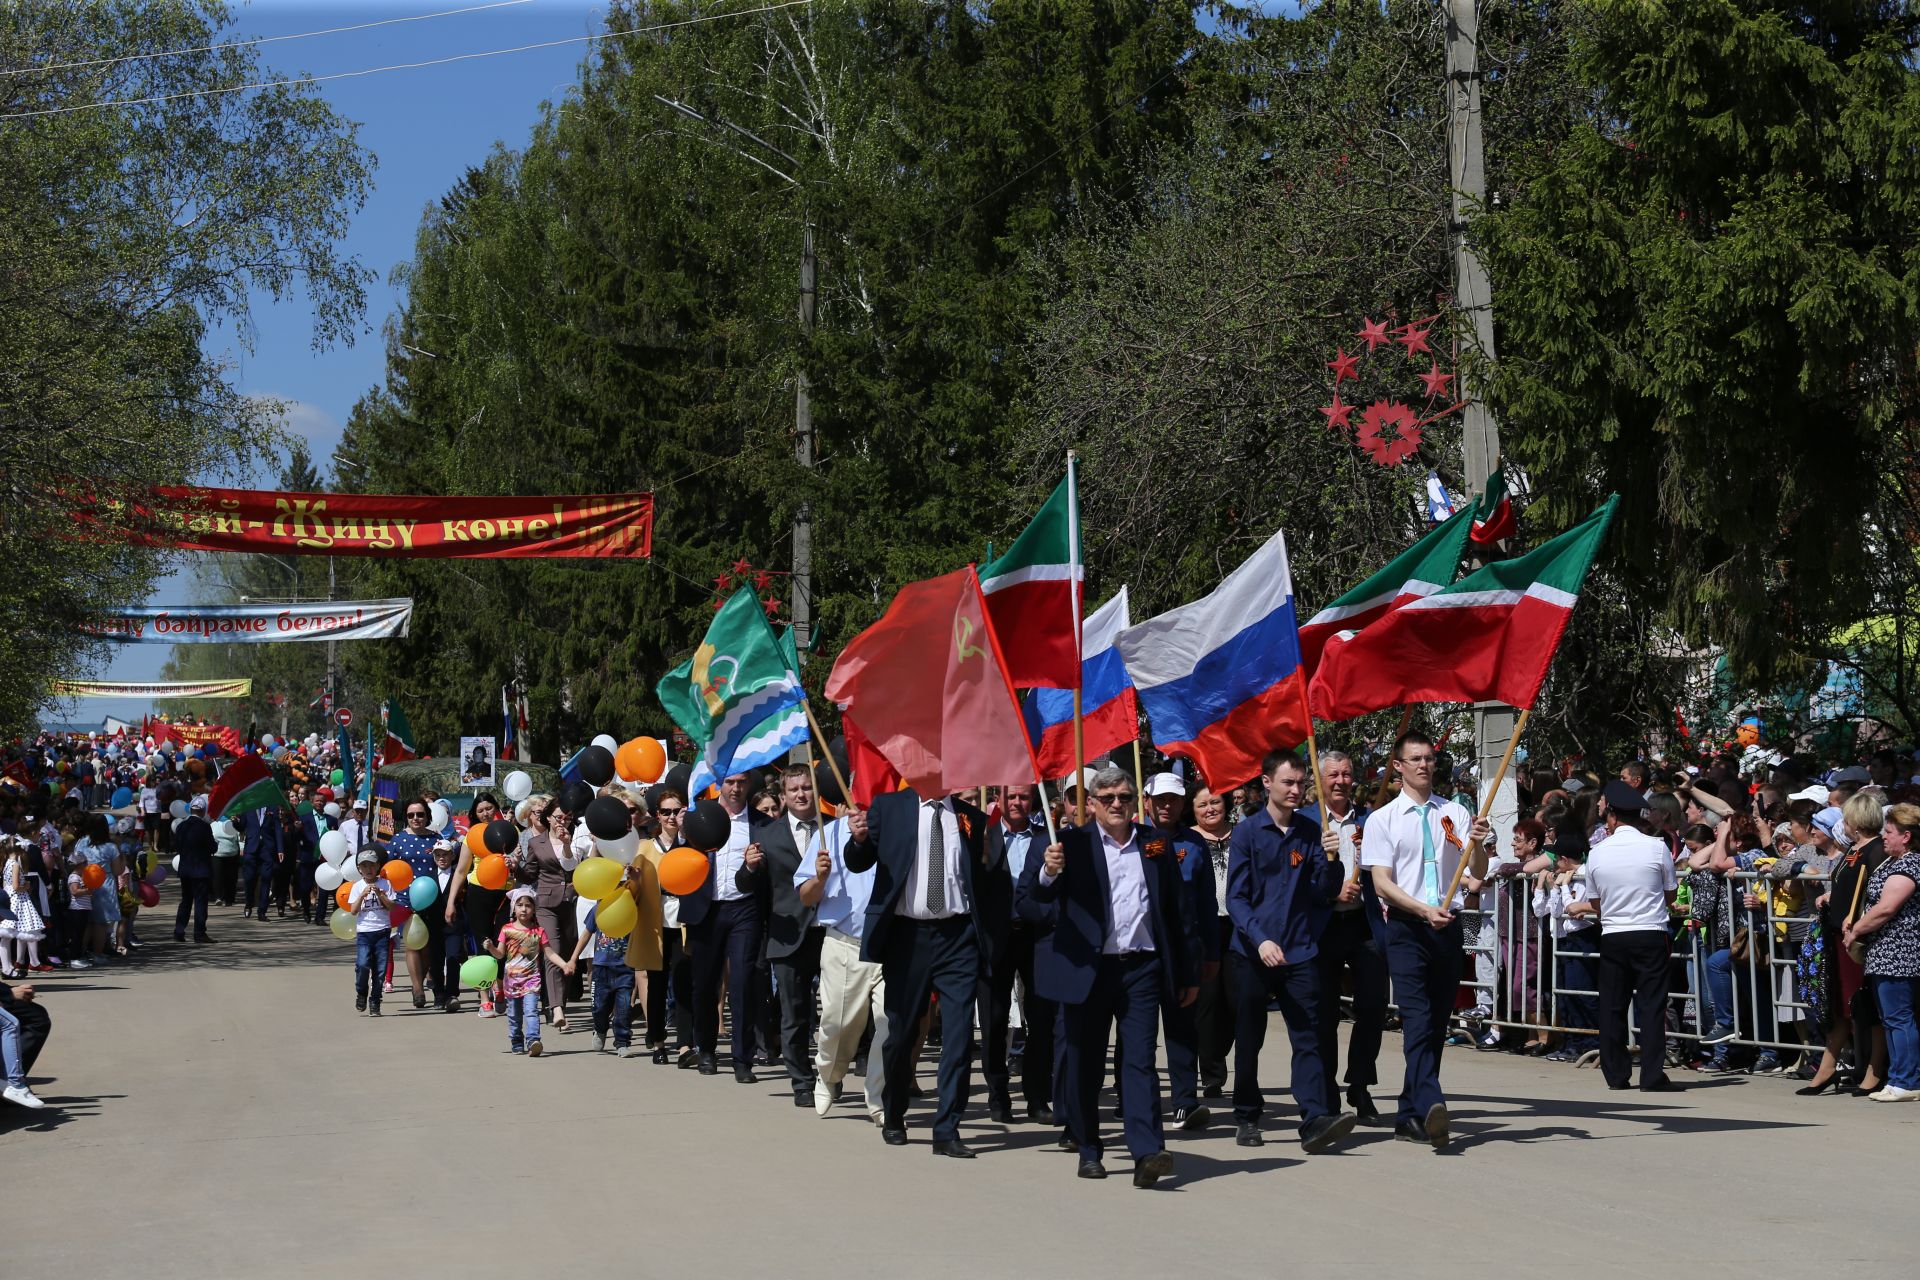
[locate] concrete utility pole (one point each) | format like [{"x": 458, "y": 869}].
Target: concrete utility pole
[
  {"x": 802, "y": 606},
  {"x": 1480, "y": 437},
  {"x": 333, "y": 694}
]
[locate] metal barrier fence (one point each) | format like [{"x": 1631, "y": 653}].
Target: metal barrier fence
[{"x": 1531, "y": 972}]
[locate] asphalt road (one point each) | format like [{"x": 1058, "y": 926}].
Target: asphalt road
[{"x": 222, "y": 1110}]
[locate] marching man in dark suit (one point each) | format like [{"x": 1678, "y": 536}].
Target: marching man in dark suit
[
  {"x": 1281, "y": 886},
  {"x": 1118, "y": 930},
  {"x": 793, "y": 938},
  {"x": 922, "y": 931}
]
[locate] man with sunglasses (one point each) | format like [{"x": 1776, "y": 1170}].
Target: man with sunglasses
[
  {"x": 1117, "y": 930},
  {"x": 1411, "y": 849}
]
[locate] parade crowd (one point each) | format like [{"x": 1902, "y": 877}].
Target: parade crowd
[{"x": 1762, "y": 921}]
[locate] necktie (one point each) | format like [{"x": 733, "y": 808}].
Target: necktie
[
  {"x": 1429, "y": 863},
  {"x": 806, "y": 837},
  {"x": 936, "y": 863}
]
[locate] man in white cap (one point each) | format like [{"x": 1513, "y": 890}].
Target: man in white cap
[
  {"x": 354, "y": 828},
  {"x": 193, "y": 843},
  {"x": 1167, "y": 808}
]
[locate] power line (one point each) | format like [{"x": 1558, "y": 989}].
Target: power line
[
  {"x": 242, "y": 44},
  {"x": 403, "y": 66}
]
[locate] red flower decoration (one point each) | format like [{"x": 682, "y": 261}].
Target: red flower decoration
[
  {"x": 1389, "y": 432},
  {"x": 1437, "y": 384},
  {"x": 1414, "y": 340},
  {"x": 1373, "y": 333},
  {"x": 1155, "y": 848},
  {"x": 1344, "y": 366},
  {"x": 1339, "y": 414}
]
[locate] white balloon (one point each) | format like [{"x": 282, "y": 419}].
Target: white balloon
[
  {"x": 440, "y": 815},
  {"x": 517, "y": 786},
  {"x": 178, "y": 808},
  {"x": 176, "y": 864},
  {"x": 606, "y": 740},
  {"x": 332, "y": 811},
  {"x": 225, "y": 830},
  {"x": 621, "y": 850},
  {"x": 327, "y": 877},
  {"x": 334, "y": 848},
  {"x": 267, "y": 740}
]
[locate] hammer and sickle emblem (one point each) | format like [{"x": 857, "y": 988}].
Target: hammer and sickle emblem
[{"x": 962, "y": 635}]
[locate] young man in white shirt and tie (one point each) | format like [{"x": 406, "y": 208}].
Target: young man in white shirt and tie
[
  {"x": 852, "y": 991},
  {"x": 1411, "y": 848}
]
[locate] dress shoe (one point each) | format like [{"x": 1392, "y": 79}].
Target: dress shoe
[
  {"x": 203, "y": 939},
  {"x": 1437, "y": 1125},
  {"x": 1322, "y": 1132},
  {"x": 1150, "y": 1169},
  {"x": 893, "y": 1137},
  {"x": 1364, "y": 1112},
  {"x": 1248, "y": 1135},
  {"x": 179, "y": 937},
  {"x": 824, "y": 1096},
  {"x": 1191, "y": 1119},
  {"x": 743, "y": 1075},
  {"x": 1213, "y": 1091},
  {"x": 1663, "y": 1085},
  {"x": 689, "y": 1059},
  {"x": 1412, "y": 1131},
  {"x": 952, "y": 1147},
  {"x": 708, "y": 1067},
  {"x": 1037, "y": 1114},
  {"x": 1000, "y": 1111},
  {"x": 1091, "y": 1169},
  {"x": 1065, "y": 1142},
  {"x": 803, "y": 1100}
]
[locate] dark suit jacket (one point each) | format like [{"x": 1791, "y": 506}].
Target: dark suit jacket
[
  {"x": 1370, "y": 904},
  {"x": 260, "y": 834},
  {"x": 303, "y": 839},
  {"x": 788, "y": 918},
  {"x": 893, "y": 845},
  {"x": 193, "y": 841},
  {"x": 1196, "y": 873},
  {"x": 694, "y": 906},
  {"x": 1076, "y": 910},
  {"x": 994, "y": 903}
]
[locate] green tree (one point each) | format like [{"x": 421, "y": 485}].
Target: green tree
[{"x": 128, "y": 233}]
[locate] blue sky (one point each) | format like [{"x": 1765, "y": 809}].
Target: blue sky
[{"x": 424, "y": 126}]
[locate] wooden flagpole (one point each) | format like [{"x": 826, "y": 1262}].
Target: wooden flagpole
[
  {"x": 1473, "y": 853},
  {"x": 1073, "y": 595},
  {"x": 820, "y": 739},
  {"x": 1139, "y": 783}
]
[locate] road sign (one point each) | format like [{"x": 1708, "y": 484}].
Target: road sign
[{"x": 345, "y": 716}]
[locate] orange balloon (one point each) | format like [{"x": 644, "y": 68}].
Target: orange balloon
[
  {"x": 491, "y": 872},
  {"x": 683, "y": 870},
  {"x": 640, "y": 760},
  {"x": 398, "y": 874},
  {"x": 341, "y": 897},
  {"x": 477, "y": 839},
  {"x": 93, "y": 875}
]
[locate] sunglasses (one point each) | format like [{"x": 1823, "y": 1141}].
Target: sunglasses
[
  {"x": 1118, "y": 797},
  {"x": 669, "y": 813},
  {"x": 417, "y": 813}
]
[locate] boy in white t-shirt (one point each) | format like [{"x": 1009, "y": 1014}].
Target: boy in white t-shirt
[{"x": 371, "y": 902}]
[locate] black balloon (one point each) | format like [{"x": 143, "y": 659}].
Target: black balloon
[
  {"x": 596, "y": 765},
  {"x": 826, "y": 780},
  {"x": 654, "y": 793},
  {"x": 706, "y": 826},
  {"x": 608, "y": 819},
  {"x": 678, "y": 777},
  {"x": 500, "y": 836},
  {"x": 575, "y": 797}
]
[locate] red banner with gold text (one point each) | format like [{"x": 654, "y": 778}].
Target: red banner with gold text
[{"x": 363, "y": 524}]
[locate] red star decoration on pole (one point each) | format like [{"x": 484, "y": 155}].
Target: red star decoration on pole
[
  {"x": 722, "y": 582},
  {"x": 1373, "y": 333},
  {"x": 772, "y": 605},
  {"x": 1344, "y": 366},
  {"x": 1435, "y": 382},
  {"x": 742, "y": 568},
  {"x": 1339, "y": 414},
  {"x": 1414, "y": 340},
  {"x": 762, "y": 580}
]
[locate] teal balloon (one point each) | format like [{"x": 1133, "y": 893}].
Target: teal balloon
[
  {"x": 422, "y": 893},
  {"x": 478, "y": 971}
]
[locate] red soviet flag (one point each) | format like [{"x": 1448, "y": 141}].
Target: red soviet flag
[
  {"x": 929, "y": 688},
  {"x": 872, "y": 772}
]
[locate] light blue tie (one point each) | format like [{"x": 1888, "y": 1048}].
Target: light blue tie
[{"x": 1429, "y": 862}]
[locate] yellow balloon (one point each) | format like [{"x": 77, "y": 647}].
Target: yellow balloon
[
  {"x": 416, "y": 934},
  {"x": 617, "y": 914},
  {"x": 343, "y": 925},
  {"x": 597, "y": 877}
]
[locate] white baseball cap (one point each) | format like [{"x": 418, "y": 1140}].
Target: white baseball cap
[{"x": 1165, "y": 784}]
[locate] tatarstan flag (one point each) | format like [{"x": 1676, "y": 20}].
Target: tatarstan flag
[
  {"x": 1489, "y": 637},
  {"x": 1033, "y": 593},
  {"x": 398, "y": 744},
  {"x": 1422, "y": 569},
  {"x": 245, "y": 786}
]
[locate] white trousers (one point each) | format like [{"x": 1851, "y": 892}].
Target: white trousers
[{"x": 851, "y": 991}]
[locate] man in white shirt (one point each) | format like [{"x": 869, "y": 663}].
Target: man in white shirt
[
  {"x": 1411, "y": 848},
  {"x": 790, "y": 845},
  {"x": 1351, "y": 944},
  {"x": 1631, "y": 885},
  {"x": 852, "y": 991}
]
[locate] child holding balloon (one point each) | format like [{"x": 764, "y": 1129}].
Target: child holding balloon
[
  {"x": 519, "y": 949},
  {"x": 612, "y": 976},
  {"x": 371, "y": 902}
]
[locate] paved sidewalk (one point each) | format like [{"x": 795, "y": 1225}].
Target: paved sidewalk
[{"x": 223, "y": 1111}]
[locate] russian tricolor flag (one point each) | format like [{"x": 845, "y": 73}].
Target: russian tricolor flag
[
  {"x": 1220, "y": 679},
  {"x": 1109, "y": 707}
]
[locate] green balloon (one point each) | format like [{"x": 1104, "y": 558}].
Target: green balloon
[
  {"x": 338, "y": 777},
  {"x": 478, "y": 971}
]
